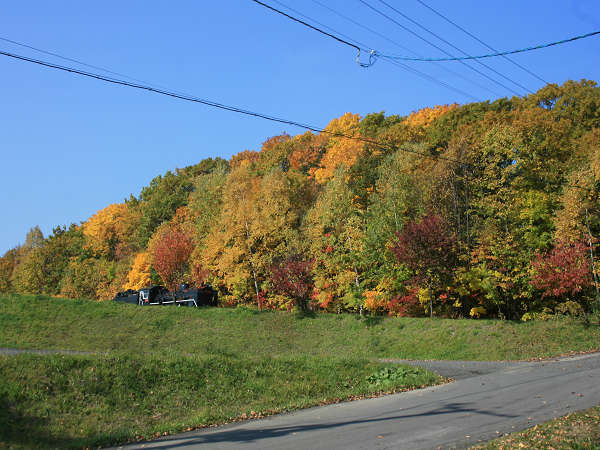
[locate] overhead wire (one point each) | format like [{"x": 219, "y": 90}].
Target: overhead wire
[
  {"x": 236, "y": 109},
  {"x": 82, "y": 63},
  {"x": 454, "y": 46},
  {"x": 403, "y": 66},
  {"x": 214, "y": 104},
  {"x": 391, "y": 19},
  {"x": 159, "y": 91},
  {"x": 357, "y": 44},
  {"x": 361, "y": 46},
  {"x": 481, "y": 42}
]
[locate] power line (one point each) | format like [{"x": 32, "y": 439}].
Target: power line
[
  {"x": 481, "y": 42},
  {"x": 491, "y": 55},
  {"x": 432, "y": 44},
  {"x": 211, "y": 103},
  {"x": 160, "y": 91},
  {"x": 403, "y": 66},
  {"x": 307, "y": 24},
  {"x": 455, "y": 47},
  {"x": 92, "y": 66},
  {"x": 430, "y": 78},
  {"x": 214, "y": 104},
  {"x": 360, "y": 46}
]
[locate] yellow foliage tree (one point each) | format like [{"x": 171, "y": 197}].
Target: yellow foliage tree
[
  {"x": 109, "y": 231},
  {"x": 139, "y": 275},
  {"x": 340, "y": 149},
  {"x": 424, "y": 117}
]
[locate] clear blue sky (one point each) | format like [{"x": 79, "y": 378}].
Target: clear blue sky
[{"x": 71, "y": 145}]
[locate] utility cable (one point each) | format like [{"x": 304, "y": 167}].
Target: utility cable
[
  {"x": 481, "y": 42},
  {"x": 306, "y": 24},
  {"x": 455, "y": 47},
  {"x": 357, "y": 44},
  {"x": 433, "y": 45},
  {"x": 361, "y": 46},
  {"x": 160, "y": 91},
  {"x": 437, "y": 47},
  {"x": 383, "y": 36},
  {"x": 238, "y": 110},
  {"x": 92, "y": 66},
  {"x": 491, "y": 55},
  {"x": 333, "y": 36},
  {"x": 216, "y": 105}
]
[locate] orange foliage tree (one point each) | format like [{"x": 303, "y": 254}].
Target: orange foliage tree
[
  {"x": 341, "y": 148},
  {"x": 425, "y": 116},
  {"x": 171, "y": 253},
  {"x": 247, "y": 155}
]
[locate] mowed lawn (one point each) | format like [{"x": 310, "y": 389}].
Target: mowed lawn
[{"x": 157, "y": 370}]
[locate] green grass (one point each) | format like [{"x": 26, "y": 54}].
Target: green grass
[
  {"x": 579, "y": 430},
  {"x": 50, "y": 323},
  {"x": 63, "y": 401},
  {"x": 157, "y": 370}
]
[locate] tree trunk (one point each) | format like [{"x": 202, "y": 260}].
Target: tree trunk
[
  {"x": 250, "y": 258},
  {"x": 356, "y": 281},
  {"x": 587, "y": 221}
]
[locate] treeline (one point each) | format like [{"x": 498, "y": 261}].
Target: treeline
[{"x": 482, "y": 209}]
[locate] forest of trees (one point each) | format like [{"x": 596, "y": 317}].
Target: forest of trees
[{"x": 487, "y": 209}]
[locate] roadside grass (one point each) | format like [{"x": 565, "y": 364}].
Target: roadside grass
[
  {"x": 579, "y": 430},
  {"x": 65, "y": 401},
  {"x": 157, "y": 370},
  {"x": 38, "y": 322}
]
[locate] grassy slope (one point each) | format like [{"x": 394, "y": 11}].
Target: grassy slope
[
  {"x": 579, "y": 430},
  {"x": 47, "y": 323},
  {"x": 80, "y": 401},
  {"x": 166, "y": 369}
]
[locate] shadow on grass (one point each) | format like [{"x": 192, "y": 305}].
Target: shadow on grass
[
  {"x": 308, "y": 314},
  {"x": 22, "y": 430},
  {"x": 371, "y": 321}
]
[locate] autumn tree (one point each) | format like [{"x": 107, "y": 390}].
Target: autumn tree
[
  {"x": 564, "y": 273},
  {"x": 342, "y": 148},
  {"x": 42, "y": 269},
  {"x": 333, "y": 230},
  {"x": 228, "y": 251},
  {"x": 428, "y": 248},
  {"x": 109, "y": 232},
  {"x": 138, "y": 276},
  {"x": 171, "y": 253},
  {"x": 292, "y": 277},
  {"x": 8, "y": 263},
  {"x": 258, "y": 224}
]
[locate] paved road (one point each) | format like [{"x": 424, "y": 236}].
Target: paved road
[{"x": 486, "y": 400}]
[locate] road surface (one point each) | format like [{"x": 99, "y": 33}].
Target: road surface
[{"x": 487, "y": 399}]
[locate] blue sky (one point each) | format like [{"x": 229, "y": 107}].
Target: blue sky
[{"x": 71, "y": 146}]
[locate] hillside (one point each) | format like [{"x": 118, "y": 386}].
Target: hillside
[
  {"x": 485, "y": 209},
  {"x": 156, "y": 370}
]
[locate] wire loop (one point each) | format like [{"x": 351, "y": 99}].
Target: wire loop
[{"x": 372, "y": 59}]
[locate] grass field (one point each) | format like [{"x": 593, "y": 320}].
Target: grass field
[
  {"x": 579, "y": 430},
  {"x": 50, "y": 323},
  {"x": 161, "y": 370}
]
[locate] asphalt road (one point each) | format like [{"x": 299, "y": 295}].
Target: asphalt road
[{"x": 487, "y": 399}]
